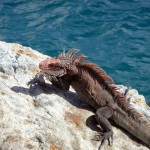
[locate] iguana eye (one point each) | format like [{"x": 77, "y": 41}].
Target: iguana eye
[
  {"x": 60, "y": 67},
  {"x": 50, "y": 66}
]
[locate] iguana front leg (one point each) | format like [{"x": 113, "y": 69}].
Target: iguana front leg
[
  {"x": 61, "y": 83},
  {"x": 102, "y": 115}
]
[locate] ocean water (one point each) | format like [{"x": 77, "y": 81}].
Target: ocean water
[{"x": 115, "y": 34}]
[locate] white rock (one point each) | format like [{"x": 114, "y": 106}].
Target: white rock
[{"x": 52, "y": 120}]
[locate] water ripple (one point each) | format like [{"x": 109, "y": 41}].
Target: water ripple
[{"x": 114, "y": 34}]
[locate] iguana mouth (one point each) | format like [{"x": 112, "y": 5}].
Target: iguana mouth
[{"x": 54, "y": 70}]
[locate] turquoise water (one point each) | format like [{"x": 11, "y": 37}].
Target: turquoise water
[{"x": 113, "y": 33}]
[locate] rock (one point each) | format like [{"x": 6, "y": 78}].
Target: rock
[{"x": 34, "y": 118}]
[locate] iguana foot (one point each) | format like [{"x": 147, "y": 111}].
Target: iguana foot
[
  {"x": 107, "y": 136},
  {"x": 103, "y": 137},
  {"x": 38, "y": 79}
]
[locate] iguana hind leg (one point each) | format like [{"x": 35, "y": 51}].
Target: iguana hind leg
[{"x": 102, "y": 115}]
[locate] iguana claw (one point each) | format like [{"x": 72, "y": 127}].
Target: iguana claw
[
  {"x": 38, "y": 79},
  {"x": 107, "y": 136},
  {"x": 103, "y": 137}
]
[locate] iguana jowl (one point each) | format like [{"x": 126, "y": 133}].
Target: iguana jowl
[{"x": 97, "y": 89}]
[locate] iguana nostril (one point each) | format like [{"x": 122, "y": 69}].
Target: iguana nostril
[{"x": 41, "y": 65}]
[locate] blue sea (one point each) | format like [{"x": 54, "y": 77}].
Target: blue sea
[{"x": 115, "y": 34}]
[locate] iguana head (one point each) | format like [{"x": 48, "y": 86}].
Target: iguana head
[{"x": 65, "y": 63}]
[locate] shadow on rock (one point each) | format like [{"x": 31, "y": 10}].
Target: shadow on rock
[
  {"x": 38, "y": 88},
  {"x": 35, "y": 90},
  {"x": 93, "y": 124}
]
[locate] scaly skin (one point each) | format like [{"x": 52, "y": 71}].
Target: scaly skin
[{"x": 99, "y": 91}]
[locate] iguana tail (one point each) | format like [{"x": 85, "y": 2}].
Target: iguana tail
[{"x": 139, "y": 130}]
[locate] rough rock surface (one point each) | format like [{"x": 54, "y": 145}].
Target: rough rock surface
[{"x": 34, "y": 118}]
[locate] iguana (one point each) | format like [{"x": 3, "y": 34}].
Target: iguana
[{"x": 98, "y": 90}]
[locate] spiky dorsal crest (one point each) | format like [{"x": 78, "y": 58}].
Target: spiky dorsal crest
[
  {"x": 97, "y": 72},
  {"x": 71, "y": 57}
]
